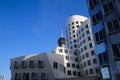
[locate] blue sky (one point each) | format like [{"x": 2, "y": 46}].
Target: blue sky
[{"x": 33, "y": 26}]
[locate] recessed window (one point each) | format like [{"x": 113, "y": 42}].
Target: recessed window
[
  {"x": 83, "y": 57},
  {"x": 77, "y": 66},
  {"x": 34, "y": 76},
  {"x": 84, "y": 41},
  {"x": 113, "y": 26},
  {"x": 16, "y": 64},
  {"x": 85, "y": 47},
  {"x": 66, "y": 51},
  {"x": 74, "y": 73},
  {"x": 92, "y": 3},
  {"x": 76, "y": 22},
  {"x": 89, "y": 62},
  {"x": 55, "y": 65},
  {"x": 73, "y": 65},
  {"x": 108, "y": 8},
  {"x": 69, "y": 72},
  {"x": 89, "y": 38},
  {"x": 88, "y": 32},
  {"x": 68, "y": 64},
  {"x": 81, "y": 29},
  {"x": 73, "y": 36},
  {"x": 17, "y": 76},
  {"x": 74, "y": 40},
  {"x": 90, "y": 45},
  {"x": 44, "y": 76},
  {"x": 81, "y": 49},
  {"x": 67, "y": 57},
  {"x": 77, "y": 26},
  {"x": 75, "y": 46},
  {"x": 73, "y": 31},
  {"x": 92, "y": 52},
  {"x": 116, "y": 51},
  {"x": 86, "y": 26},
  {"x": 73, "y": 27},
  {"x": 95, "y": 61},
  {"x": 72, "y": 23},
  {"x": 87, "y": 55},
  {"x": 25, "y": 76},
  {"x": 23, "y": 64},
  {"x": 84, "y": 64},
  {"x": 99, "y": 36},
  {"x": 76, "y": 59},
  {"x": 32, "y": 64},
  {"x": 96, "y": 18},
  {"x": 60, "y": 50},
  {"x": 40, "y": 63},
  {"x": 91, "y": 71},
  {"x": 86, "y": 71},
  {"x": 83, "y": 35}
]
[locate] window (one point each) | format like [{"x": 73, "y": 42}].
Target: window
[
  {"x": 73, "y": 27},
  {"x": 99, "y": 36},
  {"x": 75, "y": 53},
  {"x": 113, "y": 26},
  {"x": 91, "y": 71},
  {"x": 44, "y": 76},
  {"x": 66, "y": 51},
  {"x": 84, "y": 41},
  {"x": 31, "y": 64},
  {"x": 83, "y": 57},
  {"x": 74, "y": 40},
  {"x": 25, "y": 76},
  {"x": 16, "y": 64},
  {"x": 87, "y": 55},
  {"x": 74, "y": 73},
  {"x": 116, "y": 51},
  {"x": 81, "y": 49},
  {"x": 92, "y": 52},
  {"x": 76, "y": 22},
  {"x": 88, "y": 32},
  {"x": 61, "y": 67},
  {"x": 81, "y": 29},
  {"x": 77, "y": 26},
  {"x": 73, "y": 36},
  {"x": 85, "y": 47},
  {"x": 67, "y": 57},
  {"x": 68, "y": 64},
  {"x": 78, "y": 73},
  {"x": 89, "y": 62},
  {"x": 84, "y": 64},
  {"x": 75, "y": 46},
  {"x": 40, "y": 64},
  {"x": 34, "y": 76},
  {"x": 86, "y": 71},
  {"x": 94, "y": 61},
  {"x": 96, "y": 18},
  {"x": 73, "y": 65},
  {"x": 77, "y": 66},
  {"x": 23, "y": 65},
  {"x": 108, "y": 8},
  {"x": 89, "y": 38},
  {"x": 69, "y": 72},
  {"x": 17, "y": 76},
  {"x": 83, "y": 35},
  {"x": 86, "y": 26},
  {"x": 76, "y": 59},
  {"x": 73, "y": 31},
  {"x": 55, "y": 65},
  {"x": 90, "y": 45},
  {"x": 60, "y": 50},
  {"x": 92, "y": 3},
  {"x": 103, "y": 59}
]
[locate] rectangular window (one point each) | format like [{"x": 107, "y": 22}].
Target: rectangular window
[
  {"x": 92, "y": 52},
  {"x": 68, "y": 64},
  {"x": 67, "y": 57},
  {"x": 17, "y": 76},
  {"x": 66, "y": 51},
  {"x": 91, "y": 71},
  {"x": 34, "y": 76},
  {"x": 73, "y": 65},
  {"x": 74, "y": 73},
  {"x": 100, "y": 36},
  {"x": 89, "y": 62},
  {"x": 77, "y": 66},
  {"x": 60, "y": 50},
  {"x": 95, "y": 61},
  {"x": 31, "y": 64},
  {"x": 92, "y": 3},
  {"x": 69, "y": 72},
  {"x": 44, "y": 76},
  {"x": 55, "y": 65},
  {"x": 40, "y": 64},
  {"x": 87, "y": 55},
  {"x": 84, "y": 64},
  {"x": 96, "y": 18},
  {"x": 86, "y": 71},
  {"x": 116, "y": 51},
  {"x": 23, "y": 64},
  {"x": 90, "y": 45},
  {"x": 113, "y": 26},
  {"x": 25, "y": 76},
  {"x": 16, "y": 64}
]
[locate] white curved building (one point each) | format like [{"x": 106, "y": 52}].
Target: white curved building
[
  {"x": 80, "y": 39},
  {"x": 73, "y": 23}
]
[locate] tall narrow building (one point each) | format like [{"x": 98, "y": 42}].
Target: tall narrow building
[
  {"x": 80, "y": 39},
  {"x": 105, "y": 22}
]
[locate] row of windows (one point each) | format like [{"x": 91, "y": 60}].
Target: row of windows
[
  {"x": 82, "y": 49},
  {"x": 84, "y": 41},
  {"x": 72, "y": 65},
  {"x": 113, "y": 26},
  {"x": 83, "y": 34},
  {"x": 74, "y": 73},
  {"x": 77, "y": 22},
  {"x": 23, "y": 64},
  {"x": 86, "y": 55},
  {"x": 72, "y": 58},
  {"x": 92, "y": 3},
  {"x": 60, "y": 66},
  {"x": 88, "y": 63},
  {"x": 30, "y": 76},
  {"x": 90, "y": 71},
  {"x": 66, "y": 51},
  {"x": 82, "y": 29}
]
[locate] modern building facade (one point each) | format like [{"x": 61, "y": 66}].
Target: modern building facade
[
  {"x": 80, "y": 39},
  {"x": 105, "y": 22}
]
